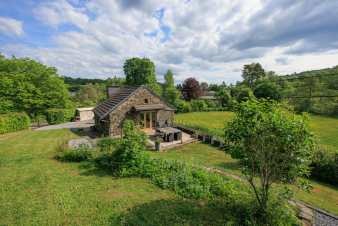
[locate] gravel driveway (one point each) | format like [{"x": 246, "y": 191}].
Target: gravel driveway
[{"x": 69, "y": 125}]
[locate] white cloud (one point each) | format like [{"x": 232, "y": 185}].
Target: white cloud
[
  {"x": 210, "y": 40},
  {"x": 54, "y": 13},
  {"x": 9, "y": 26}
]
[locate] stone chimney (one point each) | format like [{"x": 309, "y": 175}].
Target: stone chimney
[{"x": 112, "y": 90}]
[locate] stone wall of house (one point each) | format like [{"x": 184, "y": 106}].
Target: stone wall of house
[{"x": 121, "y": 112}]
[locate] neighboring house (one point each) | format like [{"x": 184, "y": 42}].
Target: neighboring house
[
  {"x": 140, "y": 104},
  {"x": 208, "y": 95},
  {"x": 83, "y": 114}
]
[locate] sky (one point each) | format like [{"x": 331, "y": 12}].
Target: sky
[{"x": 210, "y": 40}]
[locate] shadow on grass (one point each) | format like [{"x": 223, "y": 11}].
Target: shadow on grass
[
  {"x": 90, "y": 168},
  {"x": 89, "y": 132},
  {"x": 181, "y": 212}
]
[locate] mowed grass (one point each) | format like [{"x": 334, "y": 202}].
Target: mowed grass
[
  {"x": 35, "y": 189},
  {"x": 38, "y": 190},
  {"x": 322, "y": 196},
  {"x": 325, "y": 128}
]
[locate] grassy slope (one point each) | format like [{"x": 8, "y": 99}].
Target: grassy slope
[
  {"x": 322, "y": 196},
  {"x": 37, "y": 190},
  {"x": 325, "y": 128}
]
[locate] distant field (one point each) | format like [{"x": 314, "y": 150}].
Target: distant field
[
  {"x": 209, "y": 122},
  {"x": 325, "y": 128}
]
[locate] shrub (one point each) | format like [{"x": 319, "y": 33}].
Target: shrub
[
  {"x": 198, "y": 105},
  {"x": 324, "y": 166},
  {"x": 82, "y": 153},
  {"x": 129, "y": 153},
  {"x": 183, "y": 106},
  {"x": 186, "y": 180},
  {"x": 12, "y": 122},
  {"x": 107, "y": 144},
  {"x": 56, "y": 116}
]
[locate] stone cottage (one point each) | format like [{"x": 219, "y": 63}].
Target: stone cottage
[{"x": 140, "y": 104}]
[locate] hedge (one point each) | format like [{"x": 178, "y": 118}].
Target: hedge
[
  {"x": 56, "y": 116},
  {"x": 12, "y": 122},
  {"x": 324, "y": 166}
]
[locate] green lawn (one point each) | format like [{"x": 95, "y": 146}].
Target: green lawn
[
  {"x": 35, "y": 189},
  {"x": 322, "y": 196},
  {"x": 38, "y": 190},
  {"x": 325, "y": 128}
]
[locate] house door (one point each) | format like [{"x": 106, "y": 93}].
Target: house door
[{"x": 148, "y": 119}]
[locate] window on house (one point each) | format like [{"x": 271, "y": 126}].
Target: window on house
[{"x": 145, "y": 101}]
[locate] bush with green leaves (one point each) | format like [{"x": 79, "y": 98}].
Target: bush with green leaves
[
  {"x": 107, "y": 144},
  {"x": 130, "y": 150},
  {"x": 12, "y": 122},
  {"x": 186, "y": 180},
  {"x": 198, "y": 105},
  {"x": 272, "y": 144},
  {"x": 324, "y": 166},
  {"x": 82, "y": 153},
  {"x": 183, "y": 106},
  {"x": 56, "y": 116}
]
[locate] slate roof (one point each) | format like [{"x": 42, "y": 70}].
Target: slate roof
[{"x": 107, "y": 106}]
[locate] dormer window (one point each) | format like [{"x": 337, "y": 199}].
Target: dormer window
[{"x": 145, "y": 101}]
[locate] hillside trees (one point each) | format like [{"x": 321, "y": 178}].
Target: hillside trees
[
  {"x": 29, "y": 86},
  {"x": 141, "y": 71}
]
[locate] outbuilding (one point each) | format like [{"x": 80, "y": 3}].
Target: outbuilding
[{"x": 84, "y": 114}]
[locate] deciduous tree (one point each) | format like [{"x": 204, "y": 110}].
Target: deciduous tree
[
  {"x": 29, "y": 86},
  {"x": 251, "y": 73},
  {"x": 170, "y": 93},
  {"x": 141, "y": 71},
  {"x": 191, "y": 89},
  {"x": 273, "y": 145}
]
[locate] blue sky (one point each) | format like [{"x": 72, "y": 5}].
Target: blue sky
[{"x": 209, "y": 40}]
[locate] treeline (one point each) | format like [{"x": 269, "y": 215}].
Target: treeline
[
  {"x": 39, "y": 91},
  {"x": 313, "y": 91}
]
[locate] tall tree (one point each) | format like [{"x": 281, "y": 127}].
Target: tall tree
[
  {"x": 170, "y": 93},
  {"x": 191, "y": 89},
  {"x": 252, "y": 72},
  {"x": 27, "y": 85},
  {"x": 141, "y": 71}
]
